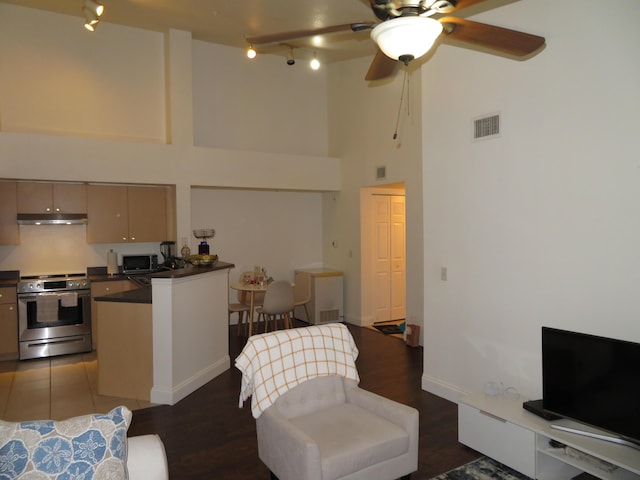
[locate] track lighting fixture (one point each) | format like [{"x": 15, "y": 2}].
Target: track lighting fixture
[
  {"x": 315, "y": 63},
  {"x": 251, "y": 53},
  {"x": 290, "y": 59},
  {"x": 91, "y": 11}
]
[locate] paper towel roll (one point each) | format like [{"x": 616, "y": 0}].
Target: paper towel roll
[{"x": 112, "y": 262}]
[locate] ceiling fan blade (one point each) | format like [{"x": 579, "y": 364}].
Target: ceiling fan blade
[
  {"x": 460, "y": 4},
  {"x": 381, "y": 67},
  {"x": 500, "y": 39},
  {"x": 294, "y": 35}
]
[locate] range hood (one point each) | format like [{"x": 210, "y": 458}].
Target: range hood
[{"x": 52, "y": 218}]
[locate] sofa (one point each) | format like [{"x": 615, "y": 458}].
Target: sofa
[
  {"x": 146, "y": 458},
  {"x": 87, "y": 446}
]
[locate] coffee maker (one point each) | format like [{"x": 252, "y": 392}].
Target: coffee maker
[{"x": 168, "y": 251}]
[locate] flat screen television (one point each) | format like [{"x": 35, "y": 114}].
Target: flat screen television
[{"x": 594, "y": 381}]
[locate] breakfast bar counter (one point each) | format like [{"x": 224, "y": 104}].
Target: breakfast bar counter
[{"x": 162, "y": 342}]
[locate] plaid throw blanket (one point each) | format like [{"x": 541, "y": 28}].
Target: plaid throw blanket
[{"x": 273, "y": 363}]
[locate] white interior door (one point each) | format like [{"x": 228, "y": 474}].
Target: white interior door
[
  {"x": 389, "y": 258},
  {"x": 381, "y": 258},
  {"x": 398, "y": 258}
]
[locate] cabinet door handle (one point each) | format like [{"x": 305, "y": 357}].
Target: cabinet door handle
[{"x": 490, "y": 415}]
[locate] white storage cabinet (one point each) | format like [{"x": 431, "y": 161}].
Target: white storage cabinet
[{"x": 326, "y": 302}]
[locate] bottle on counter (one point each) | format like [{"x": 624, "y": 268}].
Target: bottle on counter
[{"x": 185, "y": 251}]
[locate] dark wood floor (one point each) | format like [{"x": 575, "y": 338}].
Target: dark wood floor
[{"x": 207, "y": 436}]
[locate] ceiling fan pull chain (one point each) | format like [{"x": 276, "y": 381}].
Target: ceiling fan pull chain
[{"x": 405, "y": 80}]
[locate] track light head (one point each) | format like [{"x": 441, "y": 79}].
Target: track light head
[
  {"x": 315, "y": 63},
  {"x": 94, "y": 6},
  {"x": 251, "y": 53},
  {"x": 290, "y": 59}
]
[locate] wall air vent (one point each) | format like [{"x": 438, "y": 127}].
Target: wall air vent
[
  {"x": 381, "y": 172},
  {"x": 486, "y": 127}
]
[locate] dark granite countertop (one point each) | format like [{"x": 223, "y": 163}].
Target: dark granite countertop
[
  {"x": 9, "y": 278},
  {"x": 143, "y": 294},
  {"x": 138, "y": 295}
]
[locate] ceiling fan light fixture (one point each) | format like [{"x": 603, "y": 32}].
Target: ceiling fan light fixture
[{"x": 406, "y": 38}]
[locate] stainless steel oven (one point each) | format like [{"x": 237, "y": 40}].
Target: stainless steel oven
[{"x": 54, "y": 315}]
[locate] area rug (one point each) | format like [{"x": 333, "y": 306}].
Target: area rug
[
  {"x": 483, "y": 468},
  {"x": 388, "y": 329}
]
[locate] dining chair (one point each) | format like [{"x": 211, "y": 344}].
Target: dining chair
[
  {"x": 240, "y": 307},
  {"x": 278, "y": 302},
  {"x": 302, "y": 296}
]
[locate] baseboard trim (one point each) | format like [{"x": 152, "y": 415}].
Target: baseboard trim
[
  {"x": 442, "y": 389},
  {"x": 171, "y": 396}
]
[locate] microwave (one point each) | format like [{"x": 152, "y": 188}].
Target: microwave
[{"x": 143, "y": 263}]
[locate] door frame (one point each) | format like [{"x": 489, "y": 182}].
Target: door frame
[{"x": 367, "y": 316}]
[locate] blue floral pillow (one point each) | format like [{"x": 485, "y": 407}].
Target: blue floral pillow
[{"x": 87, "y": 447}]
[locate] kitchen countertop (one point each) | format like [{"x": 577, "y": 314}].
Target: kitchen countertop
[
  {"x": 9, "y": 278},
  {"x": 143, "y": 294}
]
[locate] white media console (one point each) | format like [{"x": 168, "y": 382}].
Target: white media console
[{"x": 500, "y": 428}]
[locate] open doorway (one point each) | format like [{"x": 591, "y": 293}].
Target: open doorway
[{"x": 383, "y": 250}]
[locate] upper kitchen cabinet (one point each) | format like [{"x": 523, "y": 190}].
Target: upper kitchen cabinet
[
  {"x": 35, "y": 197},
  {"x": 127, "y": 214},
  {"x": 9, "y": 231}
]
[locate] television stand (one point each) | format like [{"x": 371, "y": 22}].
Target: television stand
[
  {"x": 587, "y": 432},
  {"x": 500, "y": 428}
]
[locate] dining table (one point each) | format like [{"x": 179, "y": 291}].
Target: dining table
[{"x": 251, "y": 289}]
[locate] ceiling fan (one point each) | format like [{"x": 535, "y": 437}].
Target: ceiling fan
[{"x": 409, "y": 28}]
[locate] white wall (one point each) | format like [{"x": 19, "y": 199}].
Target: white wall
[
  {"x": 280, "y": 231},
  {"x": 261, "y": 105},
  {"x": 58, "y": 79},
  {"x": 542, "y": 225}
]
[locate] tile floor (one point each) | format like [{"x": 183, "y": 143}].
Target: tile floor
[{"x": 54, "y": 388}]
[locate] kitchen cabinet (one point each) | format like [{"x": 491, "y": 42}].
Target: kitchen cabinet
[
  {"x": 9, "y": 230},
  {"x": 8, "y": 323},
  {"x": 125, "y": 359},
  {"x": 36, "y": 197},
  {"x": 99, "y": 289},
  {"x": 120, "y": 214}
]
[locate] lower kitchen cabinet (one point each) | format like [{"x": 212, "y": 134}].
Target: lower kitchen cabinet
[
  {"x": 99, "y": 289},
  {"x": 125, "y": 357},
  {"x": 8, "y": 323}
]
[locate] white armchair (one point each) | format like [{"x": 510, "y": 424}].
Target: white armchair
[
  {"x": 329, "y": 428},
  {"x": 313, "y": 422}
]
